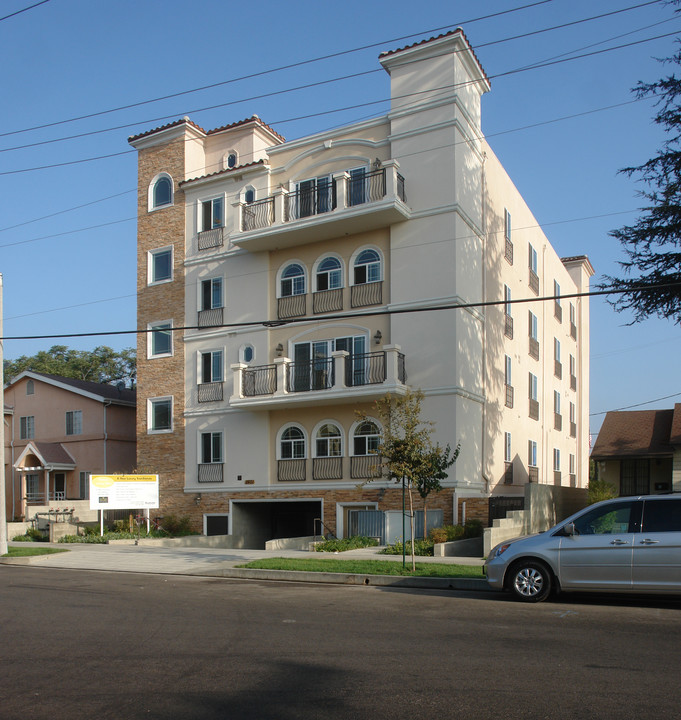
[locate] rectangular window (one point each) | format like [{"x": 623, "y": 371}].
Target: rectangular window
[
  {"x": 160, "y": 265},
  {"x": 532, "y": 259},
  {"x": 507, "y": 447},
  {"x": 212, "y": 215},
  {"x": 27, "y": 427},
  {"x": 556, "y": 349},
  {"x": 533, "y": 326},
  {"x": 556, "y": 292},
  {"x": 211, "y": 366},
  {"x": 573, "y": 314},
  {"x": 507, "y": 224},
  {"x": 573, "y": 365},
  {"x": 557, "y": 309},
  {"x": 556, "y": 402},
  {"x": 556, "y": 460},
  {"x": 533, "y": 387},
  {"x": 211, "y": 447},
  {"x": 160, "y": 339},
  {"x": 32, "y": 486},
  {"x": 572, "y": 413},
  {"x": 507, "y": 300},
  {"x": 572, "y": 464},
  {"x": 532, "y": 453},
  {"x": 160, "y": 414},
  {"x": 84, "y": 485},
  {"x": 211, "y": 293},
  {"x": 507, "y": 372},
  {"x": 74, "y": 422}
]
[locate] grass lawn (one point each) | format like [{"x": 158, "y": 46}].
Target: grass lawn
[
  {"x": 367, "y": 567},
  {"x": 24, "y": 551}
]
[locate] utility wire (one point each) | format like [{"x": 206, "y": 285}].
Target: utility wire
[
  {"x": 23, "y": 10},
  {"x": 355, "y": 315},
  {"x": 628, "y": 407}
]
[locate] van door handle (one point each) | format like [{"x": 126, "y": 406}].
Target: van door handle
[
  {"x": 648, "y": 541},
  {"x": 619, "y": 542}
]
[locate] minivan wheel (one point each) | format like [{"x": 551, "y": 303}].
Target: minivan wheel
[{"x": 530, "y": 581}]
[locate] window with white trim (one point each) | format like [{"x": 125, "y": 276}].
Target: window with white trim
[
  {"x": 556, "y": 460},
  {"x": 533, "y": 326},
  {"x": 573, "y": 464},
  {"x": 366, "y": 438},
  {"x": 573, "y": 413},
  {"x": 292, "y": 445},
  {"x": 212, "y": 213},
  {"x": 249, "y": 195},
  {"x": 328, "y": 441},
  {"x": 211, "y": 366},
  {"x": 367, "y": 268},
  {"x": 231, "y": 159},
  {"x": 533, "y": 387},
  {"x": 211, "y": 448},
  {"x": 161, "y": 193},
  {"x": 211, "y": 293},
  {"x": 507, "y": 447},
  {"x": 27, "y": 427},
  {"x": 160, "y": 339},
  {"x": 507, "y": 224},
  {"x": 84, "y": 485},
  {"x": 160, "y": 265},
  {"x": 532, "y": 453},
  {"x": 293, "y": 280},
  {"x": 246, "y": 353},
  {"x": 532, "y": 259},
  {"x": 329, "y": 274},
  {"x": 507, "y": 370},
  {"x": 74, "y": 422},
  {"x": 556, "y": 402},
  {"x": 507, "y": 301},
  {"x": 556, "y": 292},
  {"x": 160, "y": 414}
]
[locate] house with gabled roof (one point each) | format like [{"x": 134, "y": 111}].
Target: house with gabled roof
[
  {"x": 639, "y": 451},
  {"x": 58, "y": 431}
]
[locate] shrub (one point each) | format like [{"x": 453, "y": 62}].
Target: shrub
[
  {"x": 450, "y": 533},
  {"x": 421, "y": 547},
  {"x": 177, "y": 526},
  {"x": 342, "y": 544},
  {"x": 600, "y": 490},
  {"x": 473, "y": 528}
]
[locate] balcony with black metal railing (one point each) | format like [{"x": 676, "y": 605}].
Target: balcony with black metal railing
[
  {"x": 346, "y": 203},
  {"x": 337, "y": 379}
]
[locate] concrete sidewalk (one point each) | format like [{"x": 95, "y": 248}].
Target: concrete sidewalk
[{"x": 219, "y": 562}]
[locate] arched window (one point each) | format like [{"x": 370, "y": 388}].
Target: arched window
[
  {"x": 249, "y": 195},
  {"x": 162, "y": 193},
  {"x": 366, "y": 439},
  {"x": 293, "y": 280},
  {"x": 328, "y": 442},
  {"x": 292, "y": 443},
  {"x": 367, "y": 267},
  {"x": 329, "y": 274},
  {"x": 230, "y": 160}
]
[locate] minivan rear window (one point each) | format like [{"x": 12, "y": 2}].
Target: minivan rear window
[{"x": 662, "y": 515}]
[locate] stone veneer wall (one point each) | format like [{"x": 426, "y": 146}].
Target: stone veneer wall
[{"x": 161, "y": 453}]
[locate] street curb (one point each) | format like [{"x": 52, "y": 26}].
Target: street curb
[{"x": 396, "y": 581}]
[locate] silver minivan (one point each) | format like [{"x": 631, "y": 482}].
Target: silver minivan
[{"x": 629, "y": 544}]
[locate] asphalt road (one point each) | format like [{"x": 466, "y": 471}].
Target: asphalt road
[{"x": 86, "y": 644}]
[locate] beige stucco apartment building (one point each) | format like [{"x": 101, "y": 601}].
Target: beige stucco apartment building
[
  {"x": 284, "y": 286},
  {"x": 58, "y": 431}
]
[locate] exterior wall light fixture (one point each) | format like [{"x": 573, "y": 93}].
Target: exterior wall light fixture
[
  {"x": 279, "y": 350},
  {"x": 378, "y": 337}
]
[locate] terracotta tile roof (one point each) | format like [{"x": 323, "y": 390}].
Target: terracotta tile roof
[
  {"x": 638, "y": 433},
  {"x": 108, "y": 392},
  {"x": 175, "y": 123},
  {"x": 222, "y": 172},
  {"x": 253, "y": 118},
  {"x": 451, "y": 33}
]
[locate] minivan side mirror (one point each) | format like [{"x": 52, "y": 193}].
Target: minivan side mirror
[{"x": 569, "y": 529}]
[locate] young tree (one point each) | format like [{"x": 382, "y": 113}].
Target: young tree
[
  {"x": 103, "y": 364},
  {"x": 407, "y": 451},
  {"x": 653, "y": 243}
]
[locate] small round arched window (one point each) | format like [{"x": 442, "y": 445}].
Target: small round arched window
[{"x": 163, "y": 192}]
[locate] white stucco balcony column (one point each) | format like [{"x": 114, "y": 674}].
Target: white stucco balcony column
[
  {"x": 341, "y": 180},
  {"x": 279, "y": 199},
  {"x": 281, "y": 363},
  {"x": 392, "y": 364},
  {"x": 238, "y": 370},
  {"x": 391, "y": 170},
  {"x": 340, "y": 357}
]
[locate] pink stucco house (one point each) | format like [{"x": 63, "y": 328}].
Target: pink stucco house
[{"x": 58, "y": 431}]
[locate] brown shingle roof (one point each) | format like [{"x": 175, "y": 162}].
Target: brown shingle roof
[
  {"x": 637, "y": 433},
  {"x": 109, "y": 392},
  {"x": 675, "y": 434},
  {"x": 53, "y": 453}
]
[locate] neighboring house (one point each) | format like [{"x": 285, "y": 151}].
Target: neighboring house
[
  {"x": 284, "y": 286},
  {"x": 58, "y": 431},
  {"x": 639, "y": 451}
]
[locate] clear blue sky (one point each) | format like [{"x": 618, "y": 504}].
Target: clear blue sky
[{"x": 68, "y": 58}]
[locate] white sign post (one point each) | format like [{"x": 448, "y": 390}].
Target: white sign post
[{"x": 123, "y": 492}]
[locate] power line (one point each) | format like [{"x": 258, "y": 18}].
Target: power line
[
  {"x": 283, "y": 67},
  {"x": 23, "y": 10},
  {"x": 628, "y": 407},
  {"x": 355, "y": 315}
]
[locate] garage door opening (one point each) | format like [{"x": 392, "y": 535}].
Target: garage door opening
[{"x": 254, "y": 523}]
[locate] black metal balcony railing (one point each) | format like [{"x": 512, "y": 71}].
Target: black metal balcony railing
[
  {"x": 508, "y": 326},
  {"x": 291, "y": 470},
  {"x": 508, "y": 473},
  {"x": 324, "y": 301},
  {"x": 558, "y": 311},
  {"x": 534, "y": 282},
  {"x": 215, "y": 237},
  {"x": 557, "y": 421},
  {"x": 534, "y": 348},
  {"x": 291, "y": 306},
  {"x": 366, "y": 294},
  {"x": 311, "y": 375},
  {"x": 307, "y": 202},
  {"x": 401, "y": 192},
  {"x": 210, "y": 318},
  {"x": 508, "y": 251},
  {"x": 509, "y": 396},
  {"x": 533, "y": 474},
  {"x": 363, "y": 467},
  {"x": 327, "y": 468},
  {"x": 534, "y": 409},
  {"x": 573, "y": 429},
  {"x": 260, "y": 380},
  {"x": 365, "y": 369},
  {"x": 369, "y": 187},
  {"x": 401, "y": 368},
  {"x": 558, "y": 369},
  {"x": 210, "y": 392},
  {"x": 257, "y": 215},
  {"x": 211, "y": 473},
  {"x": 573, "y": 382}
]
